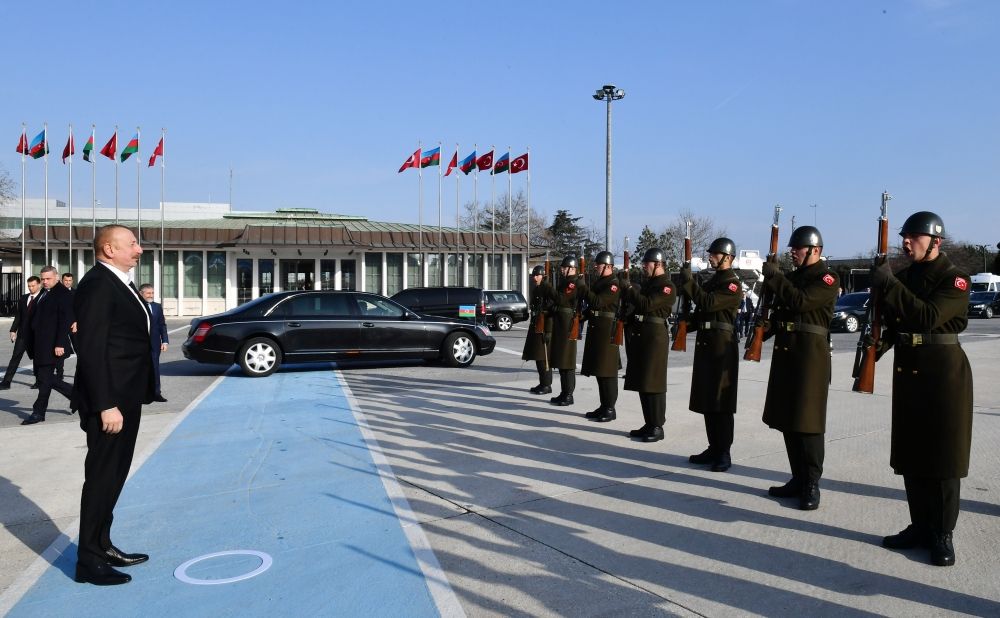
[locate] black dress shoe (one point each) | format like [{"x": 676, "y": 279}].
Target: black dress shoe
[
  {"x": 655, "y": 435},
  {"x": 34, "y": 418},
  {"x": 789, "y": 490},
  {"x": 595, "y": 414},
  {"x": 911, "y": 536},
  {"x": 608, "y": 416},
  {"x": 942, "y": 551},
  {"x": 118, "y": 558},
  {"x": 809, "y": 499},
  {"x": 562, "y": 401},
  {"x": 102, "y": 575},
  {"x": 640, "y": 432},
  {"x": 160, "y": 398},
  {"x": 35, "y": 385},
  {"x": 540, "y": 390},
  {"x": 704, "y": 457},
  {"x": 722, "y": 463},
  {"x": 4, "y": 386}
]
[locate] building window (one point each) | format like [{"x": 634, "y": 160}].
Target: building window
[
  {"x": 454, "y": 269},
  {"x": 373, "y": 272},
  {"x": 434, "y": 270},
  {"x": 168, "y": 272},
  {"x": 327, "y": 269},
  {"x": 265, "y": 276},
  {"x": 414, "y": 271},
  {"x": 88, "y": 259},
  {"x": 496, "y": 271},
  {"x": 348, "y": 275},
  {"x": 476, "y": 270},
  {"x": 193, "y": 263},
  {"x": 216, "y": 274},
  {"x": 514, "y": 282},
  {"x": 244, "y": 280},
  {"x": 145, "y": 274},
  {"x": 62, "y": 261},
  {"x": 37, "y": 262},
  {"x": 394, "y": 273}
]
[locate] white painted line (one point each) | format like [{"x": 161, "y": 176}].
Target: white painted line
[
  {"x": 506, "y": 351},
  {"x": 177, "y": 330},
  {"x": 437, "y": 582},
  {"x": 48, "y": 557}
]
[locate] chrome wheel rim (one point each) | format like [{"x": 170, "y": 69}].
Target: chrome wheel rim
[
  {"x": 260, "y": 357},
  {"x": 463, "y": 350}
]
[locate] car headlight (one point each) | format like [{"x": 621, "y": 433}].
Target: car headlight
[
  {"x": 978, "y": 306},
  {"x": 840, "y": 314}
]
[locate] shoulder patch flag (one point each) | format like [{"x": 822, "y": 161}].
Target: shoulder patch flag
[
  {"x": 614, "y": 288},
  {"x": 828, "y": 279},
  {"x": 961, "y": 283},
  {"x": 667, "y": 290},
  {"x": 733, "y": 287}
]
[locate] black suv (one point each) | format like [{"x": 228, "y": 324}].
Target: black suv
[
  {"x": 444, "y": 301},
  {"x": 850, "y": 312},
  {"x": 504, "y": 308},
  {"x": 984, "y": 304}
]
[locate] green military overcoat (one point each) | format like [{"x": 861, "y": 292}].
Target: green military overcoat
[
  {"x": 601, "y": 357},
  {"x": 648, "y": 341},
  {"x": 716, "y": 350},
  {"x": 800, "y": 364},
  {"x": 567, "y": 299},
  {"x": 931, "y": 384},
  {"x": 536, "y": 344}
]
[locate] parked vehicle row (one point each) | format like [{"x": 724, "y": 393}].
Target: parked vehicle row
[{"x": 499, "y": 309}]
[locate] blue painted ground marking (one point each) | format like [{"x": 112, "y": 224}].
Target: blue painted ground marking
[{"x": 277, "y": 465}]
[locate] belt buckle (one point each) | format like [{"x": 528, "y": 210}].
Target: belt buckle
[
  {"x": 706, "y": 326},
  {"x": 789, "y": 326},
  {"x": 916, "y": 339}
]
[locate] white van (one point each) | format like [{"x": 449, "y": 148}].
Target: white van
[{"x": 985, "y": 282}]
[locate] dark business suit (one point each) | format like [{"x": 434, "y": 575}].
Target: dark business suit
[
  {"x": 157, "y": 337},
  {"x": 114, "y": 370},
  {"x": 50, "y": 323},
  {"x": 21, "y": 326}
]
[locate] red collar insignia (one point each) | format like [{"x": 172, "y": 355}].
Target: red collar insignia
[
  {"x": 828, "y": 279},
  {"x": 961, "y": 284}
]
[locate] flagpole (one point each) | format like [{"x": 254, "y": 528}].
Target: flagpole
[
  {"x": 115, "y": 157},
  {"x": 138, "y": 191},
  {"x": 528, "y": 204},
  {"x": 24, "y": 262},
  {"x": 510, "y": 223},
  {"x": 440, "y": 229},
  {"x": 45, "y": 151},
  {"x": 93, "y": 183},
  {"x": 475, "y": 205},
  {"x": 71, "y": 149},
  {"x": 493, "y": 211},
  {"x": 420, "y": 214},
  {"x": 163, "y": 206},
  {"x": 458, "y": 216}
]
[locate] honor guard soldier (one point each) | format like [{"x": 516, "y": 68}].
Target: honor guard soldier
[
  {"x": 565, "y": 314},
  {"x": 716, "y": 352},
  {"x": 799, "y": 381},
  {"x": 648, "y": 343},
  {"x": 601, "y": 358},
  {"x": 537, "y": 343},
  {"x": 924, "y": 308}
]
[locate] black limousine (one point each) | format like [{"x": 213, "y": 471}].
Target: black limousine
[{"x": 330, "y": 326}]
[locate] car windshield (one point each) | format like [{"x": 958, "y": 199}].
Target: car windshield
[
  {"x": 858, "y": 299},
  {"x": 981, "y": 297}
]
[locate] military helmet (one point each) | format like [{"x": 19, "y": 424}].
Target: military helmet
[
  {"x": 923, "y": 222},
  {"x": 654, "y": 254},
  {"x": 805, "y": 236},
  {"x": 722, "y": 245},
  {"x": 570, "y": 261},
  {"x": 604, "y": 257},
  {"x": 538, "y": 270}
]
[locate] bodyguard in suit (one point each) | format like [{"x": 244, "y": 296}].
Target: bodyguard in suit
[
  {"x": 67, "y": 281},
  {"x": 158, "y": 337},
  {"x": 114, "y": 377},
  {"x": 20, "y": 330},
  {"x": 49, "y": 341}
]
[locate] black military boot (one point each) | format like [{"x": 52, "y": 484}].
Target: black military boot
[
  {"x": 562, "y": 400},
  {"x": 942, "y": 551},
  {"x": 722, "y": 463},
  {"x": 655, "y": 435},
  {"x": 608, "y": 415},
  {"x": 789, "y": 490},
  {"x": 912, "y": 536},
  {"x": 540, "y": 390},
  {"x": 809, "y": 499},
  {"x": 704, "y": 457},
  {"x": 595, "y": 414},
  {"x": 640, "y": 432}
]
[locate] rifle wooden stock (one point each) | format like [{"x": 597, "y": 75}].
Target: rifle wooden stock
[
  {"x": 540, "y": 324},
  {"x": 755, "y": 344},
  {"x": 574, "y": 328},
  {"x": 864, "y": 380},
  {"x": 755, "y": 341},
  {"x": 618, "y": 336},
  {"x": 680, "y": 336}
]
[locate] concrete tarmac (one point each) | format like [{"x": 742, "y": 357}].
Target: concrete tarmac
[{"x": 532, "y": 510}]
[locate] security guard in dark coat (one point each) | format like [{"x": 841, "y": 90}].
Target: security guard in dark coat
[
  {"x": 601, "y": 358},
  {"x": 800, "y": 365},
  {"x": 570, "y": 292},
  {"x": 716, "y": 352},
  {"x": 924, "y": 308},
  {"x": 648, "y": 342},
  {"x": 536, "y": 344}
]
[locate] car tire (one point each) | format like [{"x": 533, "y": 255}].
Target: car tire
[
  {"x": 259, "y": 357},
  {"x": 851, "y": 324},
  {"x": 503, "y": 321},
  {"x": 989, "y": 313},
  {"x": 458, "y": 350}
]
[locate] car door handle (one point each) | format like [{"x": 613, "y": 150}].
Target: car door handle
[
  {"x": 295, "y": 324},
  {"x": 368, "y": 324}
]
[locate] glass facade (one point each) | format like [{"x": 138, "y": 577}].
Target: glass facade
[
  {"x": 435, "y": 270},
  {"x": 393, "y": 273},
  {"x": 496, "y": 272},
  {"x": 244, "y": 280},
  {"x": 414, "y": 271},
  {"x": 193, "y": 268},
  {"x": 348, "y": 275},
  {"x": 145, "y": 274},
  {"x": 265, "y": 276},
  {"x": 475, "y": 261},
  {"x": 327, "y": 272},
  {"x": 514, "y": 279},
  {"x": 169, "y": 273},
  {"x": 454, "y": 269},
  {"x": 373, "y": 272}
]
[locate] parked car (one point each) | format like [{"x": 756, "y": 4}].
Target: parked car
[
  {"x": 984, "y": 304},
  {"x": 444, "y": 301},
  {"x": 850, "y": 312},
  {"x": 330, "y": 325},
  {"x": 504, "y": 308}
]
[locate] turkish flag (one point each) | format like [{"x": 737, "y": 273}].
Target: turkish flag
[
  {"x": 413, "y": 161},
  {"x": 453, "y": 164},
  {"x": 111, "y": 147},
  {"x": 22, "y": 144},
  {"x": 519, "y": 164},
  {"x": 69, "y": 150},
  {"x": 485, "y": 162}
]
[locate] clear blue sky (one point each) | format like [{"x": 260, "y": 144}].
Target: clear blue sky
[{"x": 731, "y": 106}]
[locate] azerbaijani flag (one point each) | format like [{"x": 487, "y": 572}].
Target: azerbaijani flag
[
  {"x": 88, "y": 148},
  {"x": 502, "y": 164},
  {"x": 468, "y": 163},
  {"x": 431, "y": 157},
  {"x": 39, "y": 146},
  {"x": 131, "y": 148}
]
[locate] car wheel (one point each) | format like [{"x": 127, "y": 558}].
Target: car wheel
[
  {"x": 259, "y": 357},
  {"x": 458, "y": 350},
  {"x": 504, "y": 321},
  {"x": 989, "y": 312},
  {"x": 851, "y": 324}
]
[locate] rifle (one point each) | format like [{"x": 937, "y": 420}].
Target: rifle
[
  {"x": 618, "y": 336},
  {"x": 864, "y": 359},
  {"x": 681, "y": 328},
  {"x": 574, "y": 329},
  {"x": 540, "y": 320},
  {"x": 763, "y": 310}
]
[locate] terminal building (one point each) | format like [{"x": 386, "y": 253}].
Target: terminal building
[{"x": 210, "y": 258}]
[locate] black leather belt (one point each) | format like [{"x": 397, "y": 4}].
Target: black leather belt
[
  {"x": 649, "y": 318},
  {"x": 715, "y": 326},
  {"x": 565, "y": 310},
  {"x": 914, "y": 339},
  {"x": 606, "y": 314},
  {"x": 803, "y": 328}
]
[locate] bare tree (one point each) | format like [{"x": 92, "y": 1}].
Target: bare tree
[
  {"x": 7, "y": 186},
  {"x": 703, "y": 231},
  {"x": 483, "y": 218}
]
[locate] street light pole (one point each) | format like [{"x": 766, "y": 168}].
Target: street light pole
[{"x": 608, "y": 93}]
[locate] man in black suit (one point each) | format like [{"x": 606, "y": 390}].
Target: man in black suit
[
  {"x": 157, "y": 333},
  {"x": 114, "y": 377},
  {"x": 49, "y": 341},
  {"x": 20, "y": 330},
  {"x": 67, "y": 281}
]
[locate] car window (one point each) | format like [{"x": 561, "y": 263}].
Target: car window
[
  {"x": 505, "y": 297},
  {"x": 314, "y": 306},
  {"x": 377, "y": 307}
]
